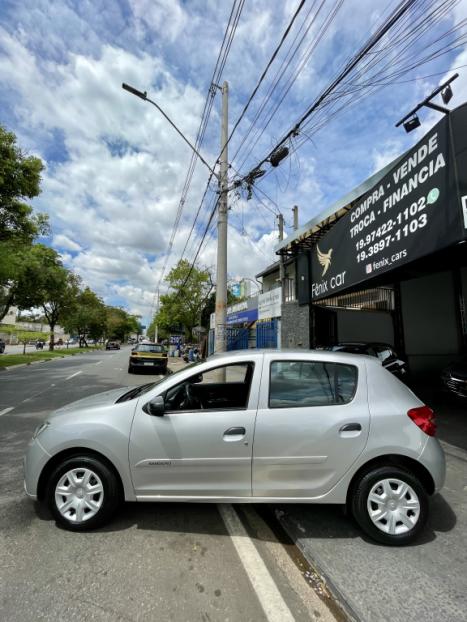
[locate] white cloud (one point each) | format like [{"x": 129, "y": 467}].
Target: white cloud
[
  {"x": 383, "y": 156},
  {"x": 115, "y": 168},
  {"x": 64, "y": 242}
]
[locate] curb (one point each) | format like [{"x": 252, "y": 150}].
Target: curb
[{"x": 317, "y": 567}]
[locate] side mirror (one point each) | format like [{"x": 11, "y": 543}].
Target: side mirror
[{"x": 155, "y": 407}]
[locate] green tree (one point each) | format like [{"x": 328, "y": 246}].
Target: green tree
[
  {"x": 119, "y": 323},
  {"x": 20, "y": 177},
  {"x": 184, "y": 304},
  {"x": 47, "y": 284},
  {"x": 88, "y": 317}
]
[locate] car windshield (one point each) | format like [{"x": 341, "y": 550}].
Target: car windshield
[
  {"x": 144, "y": 388},
  {"x": 149, "y": 347}
]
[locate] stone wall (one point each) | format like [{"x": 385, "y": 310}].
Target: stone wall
[{"x": 295, "y": 327}]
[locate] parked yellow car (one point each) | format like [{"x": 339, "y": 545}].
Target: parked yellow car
[{"x": 150, "y": 356}]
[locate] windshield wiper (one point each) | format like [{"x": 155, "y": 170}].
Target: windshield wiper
[{"x": 136, "y": 392}]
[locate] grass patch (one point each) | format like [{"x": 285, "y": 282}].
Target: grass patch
[{"x": 7, "y": 360}]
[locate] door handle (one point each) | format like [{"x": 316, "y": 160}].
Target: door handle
[
  {"x": 235, "y": 432},
  {"x": 351, "y": 427}
]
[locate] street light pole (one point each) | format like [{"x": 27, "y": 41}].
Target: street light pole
[
  {"x": 222, "y": 177},
  {"x": 221, "y": 278}
]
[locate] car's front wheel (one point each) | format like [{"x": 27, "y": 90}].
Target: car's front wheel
[
  {"x": 82, "y": 493},
  {"x": 390, "y": 504}
]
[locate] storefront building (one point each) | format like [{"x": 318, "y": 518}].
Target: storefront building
[
  {"x": 252, "y": 323},
  {"x": 388, "y": 263}
]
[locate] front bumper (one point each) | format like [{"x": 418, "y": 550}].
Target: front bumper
[{"x": 33, "y": 463}]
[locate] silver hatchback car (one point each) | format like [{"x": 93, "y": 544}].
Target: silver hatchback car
[{"x": 247, "y": 427}]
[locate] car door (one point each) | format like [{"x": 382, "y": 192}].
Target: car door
[
  {"x": 201, "y": 449},
  {"x": 312, "y": 424}
]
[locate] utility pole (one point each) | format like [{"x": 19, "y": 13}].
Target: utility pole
[
  {"x": 221, "y": 278},
  {"x": 281, "y": 259},
  {"x": 295, "y": 217},
  {"x": 281, "y": 227}
]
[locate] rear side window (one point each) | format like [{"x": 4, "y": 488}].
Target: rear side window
[{"x": 311, "y": 383}]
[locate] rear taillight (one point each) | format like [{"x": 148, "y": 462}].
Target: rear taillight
[{"x": 424, "y": 417}]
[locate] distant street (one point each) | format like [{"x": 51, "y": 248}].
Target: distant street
[{"x": 178, "y": 561}]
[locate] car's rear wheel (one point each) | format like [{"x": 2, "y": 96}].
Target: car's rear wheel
[
  {"x": 390, "y": 505},
  {"x": 82, "y": 493}
]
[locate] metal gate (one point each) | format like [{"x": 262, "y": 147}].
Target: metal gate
[
  {"x": 266, "y": 334},
  {"x": 237, "y": 338}
]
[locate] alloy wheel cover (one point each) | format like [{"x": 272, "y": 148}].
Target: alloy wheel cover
[
  {"x": 79, "y": 494},
  {"x": 393, "y": 506}
]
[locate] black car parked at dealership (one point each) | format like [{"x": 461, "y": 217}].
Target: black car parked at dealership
[
  {"x": 454, "y": 378},
  {"x": 383, "y": 351}
]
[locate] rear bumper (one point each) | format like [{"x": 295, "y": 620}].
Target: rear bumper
[
  {"x": 149, "y": 363},
  {"x": 433, "y": 459}
]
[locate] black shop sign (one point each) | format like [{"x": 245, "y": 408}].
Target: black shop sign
[{"x": 413, "y": 211}]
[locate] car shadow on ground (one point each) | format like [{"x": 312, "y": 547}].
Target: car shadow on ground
[
  {"x": 300, "y": 520},
  {"x": 334, "y": 522}
]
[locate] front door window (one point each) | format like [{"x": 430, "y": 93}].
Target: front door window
[{"x": 222, "y": 388}]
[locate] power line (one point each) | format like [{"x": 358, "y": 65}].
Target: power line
[
  {"x": 266, "y": 69},
  {"x": 229, "y": 34},
  {"x": 402, "y": 9},
  {"x": 255, "y": 90}
]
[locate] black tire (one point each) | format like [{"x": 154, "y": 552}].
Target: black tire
[
  {"x": 359, "y": 498},
  {"x": 111, "y": 492},
  {"x": 130, "y": 369}
]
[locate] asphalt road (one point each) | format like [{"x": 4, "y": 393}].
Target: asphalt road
[
  {"x": 179, "y": 561},
  {"x": 154, "y": 562}
]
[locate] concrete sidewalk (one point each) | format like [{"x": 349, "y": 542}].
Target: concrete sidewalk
[{"x": 425, "y": 581}]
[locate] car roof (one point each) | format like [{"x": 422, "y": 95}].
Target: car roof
[
  {"x": 378, "y": 344},
  {"x": 289, "y": 354}
]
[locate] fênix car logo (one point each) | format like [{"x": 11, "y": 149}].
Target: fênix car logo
[{"x": 324, "y": 259}]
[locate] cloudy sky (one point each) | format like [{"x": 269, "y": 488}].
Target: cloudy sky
[{"x": 115, "y": 169}]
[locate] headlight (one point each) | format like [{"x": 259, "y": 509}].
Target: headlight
[{"x": 40, "y": 428}]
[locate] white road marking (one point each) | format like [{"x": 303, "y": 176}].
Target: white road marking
[
  {"x": 98, "y": 362},
  {"x": 266, "y": 590},
  {"x": 6, "y": 410},
  {"x": 73, "y": 375}
]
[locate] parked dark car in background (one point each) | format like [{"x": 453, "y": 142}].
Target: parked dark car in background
[
  {"x": 383, "y": 351},
  {"x": 112, "y": 345},
  {"x": 454, "y": 378}
]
